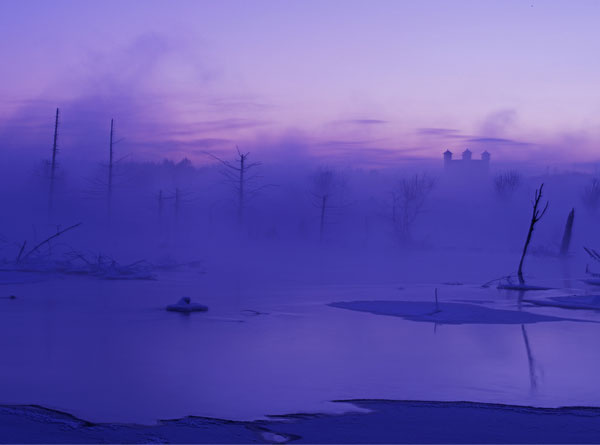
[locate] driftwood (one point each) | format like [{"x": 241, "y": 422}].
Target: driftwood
[
  {"x": 78, "y": 263},
  {"x": 596, "y": 257}
]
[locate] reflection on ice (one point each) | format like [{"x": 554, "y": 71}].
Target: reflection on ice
[
  {"x": 445, "y": 313},
  {"x": 569, "y": 302}
]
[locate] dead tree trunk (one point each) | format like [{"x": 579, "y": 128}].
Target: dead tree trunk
[
  {"x": 241, "y": 188},
  {"x": 536, "y": 215},
  {"x": 53, "y": 164},
  {"x": 323, "y": 208},
  {"x": 160, "y": 205},
  {"x": 238, "y": 173},
  {"x": 177, "y": 203},
  {"x": 110, "y": 170},
  {"x": 566, "y": 240}
]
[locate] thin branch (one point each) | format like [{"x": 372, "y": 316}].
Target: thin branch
[
  {"x": 21, "y": 251},
  {"x": 49, "y": 239}
]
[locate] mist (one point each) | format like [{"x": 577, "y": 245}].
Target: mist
[
  {"x": 185, "y": 210},
  {"x": 315, "y": 222}
]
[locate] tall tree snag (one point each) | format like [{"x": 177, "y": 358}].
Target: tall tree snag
[
  {"x": 239, "y": 174},
  {"x": 53, "y": 164},
  {"x": 329, "y": 195},
  {"x": 536, "y": 215},
  {"x": 110, "y": 163},
  {"x": 323, "y": 185},
  {"x": 109, "y": 187},
  {"x": 566, "y": 240}
]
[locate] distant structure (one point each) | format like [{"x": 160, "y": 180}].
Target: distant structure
[{"x": 467, "y": 166}]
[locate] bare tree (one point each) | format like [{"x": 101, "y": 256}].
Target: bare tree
[
  {"x": 180, "y": 197},
  {"x": 161, "y": 200},
  {"x": 110, "y": 176},
  {"x": 536, "y": 215},
  {"x": 323, "y": 189},
  {"x": 240, "y": 173},
  {"x": 111, "y": 168},
  {"x": 408, "y": 198},
  {"x": 53, "y": 164},
  {"x": 110, "y": 171},
  {"x": 506, "y": 183},
  {"x": 591, "y": 194}
]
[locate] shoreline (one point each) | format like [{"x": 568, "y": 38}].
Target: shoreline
[{"x": 387, "y": 421}]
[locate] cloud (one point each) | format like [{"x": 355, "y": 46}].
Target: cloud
[
  {"x": 129, "y": 85},
  {"x": 366, "y": 121},
  {"x": 430, "y": 131},
  {"x": 224, "y": 124},
  {"x": 444, "y": 133},
  {"x": 497, "y": 141},
  {"x": 360, "y": 122},
  {"x": 345, "y": 143}
]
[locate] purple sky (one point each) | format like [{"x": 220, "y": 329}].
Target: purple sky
[{"x": 365, "y": 81}]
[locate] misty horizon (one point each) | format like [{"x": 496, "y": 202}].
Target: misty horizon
[{"x": 392, "y": 93}]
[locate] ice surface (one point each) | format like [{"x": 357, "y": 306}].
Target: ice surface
[
  {"x": 521, "y": 287},
  {"x": 445, "y": 313},
  {"x": 381, "y": 421},
  {"x": 71, "y": 340},
  {"x": 569, "y": 302}
]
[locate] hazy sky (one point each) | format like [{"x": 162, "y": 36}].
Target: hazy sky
[{"x": 365, "y": 80}]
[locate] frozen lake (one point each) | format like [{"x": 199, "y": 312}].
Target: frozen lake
[{"x": 108, "y": 351}]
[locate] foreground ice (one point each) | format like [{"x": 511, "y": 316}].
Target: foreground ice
[
  {"x": 569, "y": 302},
  {"x": 445, "y": 313},
  {"x": 108, "y": 352},
  {"x": 521, "y": 287},
  {"x": 385, "y": 421}
]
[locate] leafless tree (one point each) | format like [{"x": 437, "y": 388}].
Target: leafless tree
[
  {"x": 506, "y": 183},
  {"x": 110, "y": 164},
  {"x": 102, "y": 185},
  {"x": 408, "y": 197},
  {"x": 241, "y": 174},
  {"x": 591, "y": 194},
  {"x": 536, "y": 215},
  {"x": 111, "y": 168},
  {"x": 323, "y": 184},
  {"x": 161, "y": 200},
  {"x": 53, "y": 165},
  {"x": 180, "y": 197},
  {"x": 328, "y": 192}
]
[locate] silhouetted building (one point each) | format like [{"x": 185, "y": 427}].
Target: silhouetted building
[{"x": 467, "y": 166}]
